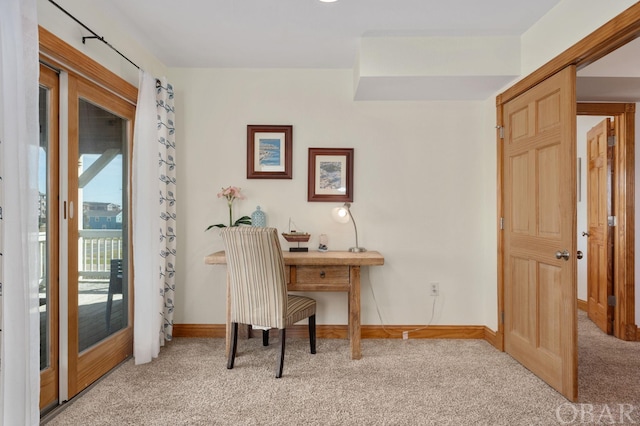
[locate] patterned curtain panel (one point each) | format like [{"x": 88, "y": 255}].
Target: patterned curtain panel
[
  {"x": 167, "y": 182},
  {"x": 154, "y": 217}
]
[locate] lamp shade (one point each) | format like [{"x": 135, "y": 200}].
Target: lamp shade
[{"x": 342, "y": 215}]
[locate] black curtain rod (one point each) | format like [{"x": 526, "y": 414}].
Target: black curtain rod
[{"x": 95, "y": 36}]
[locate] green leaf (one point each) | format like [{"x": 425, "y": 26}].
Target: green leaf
[
  {"x": 244, "y": 220},
  {"x": 219, "y": 225}
]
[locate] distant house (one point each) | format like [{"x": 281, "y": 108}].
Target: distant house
[
  {"x": 42, "y": 211},
  {"x": 98, "y": 215}
]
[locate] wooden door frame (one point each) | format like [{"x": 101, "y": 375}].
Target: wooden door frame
[
  {"x": 624, "y": 326},
  {"x": 615, "y": 33}
]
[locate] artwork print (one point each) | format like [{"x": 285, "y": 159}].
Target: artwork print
[
  {"x": 269, "y": 154},
  {"x": 332, "y": 175}
]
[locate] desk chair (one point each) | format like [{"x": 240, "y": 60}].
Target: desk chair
[
  {"x": 258, "y": 287},
  {"x": 115, "y": 287}
]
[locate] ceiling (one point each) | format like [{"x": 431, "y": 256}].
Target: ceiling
[
  {"x": 312, "y": 34},
  {"x": 303, "y": 33}
]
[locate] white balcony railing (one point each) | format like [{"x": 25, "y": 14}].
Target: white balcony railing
[{"x": 96, "y": 248}]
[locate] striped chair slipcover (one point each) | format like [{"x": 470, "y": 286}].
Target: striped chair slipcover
[{"x": 259, "y": 288}]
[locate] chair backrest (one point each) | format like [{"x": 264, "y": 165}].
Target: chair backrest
[
  {"x": 115, "y": 276},
  {"x": 257, "y": 276}
]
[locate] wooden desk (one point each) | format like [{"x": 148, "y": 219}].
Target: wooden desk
[{"x": 318, "y": 271}]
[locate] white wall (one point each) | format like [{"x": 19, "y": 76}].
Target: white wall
[
  {"x": 424, "y": 189},
  {"x": 443, "y": 168},
  {"x": 425, "y": 172}
]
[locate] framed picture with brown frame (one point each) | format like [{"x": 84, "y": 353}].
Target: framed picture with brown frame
[
  {"x": 330, "y": 174},
  {"x": 269, "y": 152}
]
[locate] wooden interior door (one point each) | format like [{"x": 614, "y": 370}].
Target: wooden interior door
[
  {"x": 599, "y": 240},
  {"x": 539, "y": 193}
]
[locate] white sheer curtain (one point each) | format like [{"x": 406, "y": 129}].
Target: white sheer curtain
[
  {"x": 154, "y": 209},
  {"x": 20, "y": 338}
]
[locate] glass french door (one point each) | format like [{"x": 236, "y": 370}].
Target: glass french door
[
  {"x": 48, "y": 220},
  {"x": 86, "y": 311},
  {"x": 100, "y": 327}
]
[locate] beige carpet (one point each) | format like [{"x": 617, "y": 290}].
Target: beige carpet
[{"x": 411, "y": 382}]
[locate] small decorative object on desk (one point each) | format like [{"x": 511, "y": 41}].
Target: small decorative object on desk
[
  {"x": 323, "y": 243},
  {"x": 294, "y": 236},
  {"x": 258, "y": 218}
]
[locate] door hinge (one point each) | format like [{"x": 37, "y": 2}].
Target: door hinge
[
  {"x": 500, "y": 131},
  {"x": 502, "y": 223},
  {"x": 611, "y": 140},
  {"x": 502, "y": 317},
  {"x": 611, "y": 221},
  {"x": 611, "y": 300}
]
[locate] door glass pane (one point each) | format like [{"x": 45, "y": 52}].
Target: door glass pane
[
  {"x": 102, "y": 268},
  {"x": 43, "y": 236}
]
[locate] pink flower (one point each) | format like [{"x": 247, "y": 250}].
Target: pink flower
[{"x": 231, "y": 193}]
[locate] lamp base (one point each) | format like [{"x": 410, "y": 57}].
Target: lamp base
[{"x": 357, "y": 249}]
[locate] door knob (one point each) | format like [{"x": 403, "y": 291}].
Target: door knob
[
  {"x": 563, "y": 255},
  {"x": 579, "y": 255},
  {"x": 585, "y": 234}
]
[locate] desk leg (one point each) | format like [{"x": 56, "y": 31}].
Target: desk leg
[
  {"x": 354, "y": 313},
  {"x": 227, "y": 334}
]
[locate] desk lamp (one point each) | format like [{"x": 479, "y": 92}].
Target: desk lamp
[{"x": 342, "y": 215}]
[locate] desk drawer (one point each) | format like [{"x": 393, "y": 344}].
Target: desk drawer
[{"x": 322, "y": 274}]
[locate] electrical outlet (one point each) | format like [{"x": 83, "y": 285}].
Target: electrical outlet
[
  {"x": 405, "y": 335},
  {"x": 435, "y": 289}
]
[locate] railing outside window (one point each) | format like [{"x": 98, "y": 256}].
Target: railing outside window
[{"x": 96, "y": 249}]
